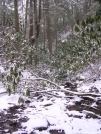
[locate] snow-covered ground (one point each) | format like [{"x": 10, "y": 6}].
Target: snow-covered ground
[{"x": 52, "y": 113}]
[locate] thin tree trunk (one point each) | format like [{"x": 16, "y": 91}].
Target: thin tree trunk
[
  {"x": 31, "y": 22},
  {"x": 16, "y": 15},
  {"x": 26, "y": 14},
  {"x": 56, "y": 32},
  {"x": 31, "y": 31},
  {"x": 72, "y": 23},
  {"x": 48, "y": 29},
  {"x": 37, "y": 17},
  {"x": 35, "y": 36},
  {"x": 4, "y": 13},
  {"x": 23, "y": 22},
  {"x": 44, "y": 30},
  {"x": 44, "y": 26}
]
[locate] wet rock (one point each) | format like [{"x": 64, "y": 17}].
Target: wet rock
[
  {"x": 57, "y": 131},
  {"x": 71, "y": 86},
  {"x": 98, "y": 102},
  {"x": 27, "y": 101},
  {"x": 41, "y": 128},
  {"x": 93, "y": 89},
  {"x": 46, "y": 105},
  {"x": 13, "y": 123},
  {"x": 14, "y": 107}
]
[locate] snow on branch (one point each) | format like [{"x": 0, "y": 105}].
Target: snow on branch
[
  {"x": 66, "y": 90},
  {"x": 48, "y": 81}
]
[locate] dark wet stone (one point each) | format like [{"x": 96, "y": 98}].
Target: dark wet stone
[
  {"x": 57, "y": 131},
  {"x": 27, "y": 101},
  {"x": 41, "y": 128}
]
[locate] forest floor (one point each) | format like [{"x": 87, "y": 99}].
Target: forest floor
[{"x": 47, "y": 114}]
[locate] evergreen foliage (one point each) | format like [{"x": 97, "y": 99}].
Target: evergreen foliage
[
  {"x": 82, "y": 44},
  {"x": 80, "y": 48}
]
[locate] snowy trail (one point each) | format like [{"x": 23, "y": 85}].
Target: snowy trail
[
  {"x": 49, "y": 113},
  {"x": 58, "y": 116}
]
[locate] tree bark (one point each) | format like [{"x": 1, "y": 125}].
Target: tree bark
[
  {"x": 16, "y": 15},
  {"x": 4, "y": 13},
  {"x": 31, "y": 22},
  {"x": 56, "y": 25},
  {"x": 48, "y": 29},
  {"x": 26, "y": 14}
]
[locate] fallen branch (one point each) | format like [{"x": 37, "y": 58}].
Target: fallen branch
[
  {"x": 80, "y": 94},
  {"x": 71, "y": 92},
  {"x": 67, "y": 90},
  {"x": 3, "y": 93},
  {"x": 39, "y": 79},
  {"x": 58, "y": 96}
]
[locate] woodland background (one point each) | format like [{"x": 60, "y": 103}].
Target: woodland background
[{"x": 53, "y": 39}]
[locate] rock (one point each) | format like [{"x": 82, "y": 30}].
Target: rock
[
  {"x": 41, "y": 128},
  {"x": 56, "y": 131},
  {"x": 70, "y": 85},
  {"x": 13, "y": 123},
  {"x": 27, "y": 101}
]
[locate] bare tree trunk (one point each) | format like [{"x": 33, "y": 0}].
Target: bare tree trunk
[
  {"x": 35, "y": 32},
  {"x": 44, "y": 24},
  {"x": 90, "y": 2},
  {"x": 16, "y": 15},
  {"x": 39, "y": 19},
  {"x": 72, "y": 23},
  {"x": 48, "y": 29},
  {"x": 31, "y": 22},
  {"x": 56, "y": 25},
  {"x": 31, "y": 31},
  {"x": 23, "y": 22},
  {"x": 26, "y": 14},
  {"x": 44, "y": 30},
  {"x": 4, "y": 13},
  {"x": 37, "y": 16}
]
